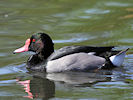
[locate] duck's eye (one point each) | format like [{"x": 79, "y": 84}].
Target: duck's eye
[{"x": 33, "y": 40}]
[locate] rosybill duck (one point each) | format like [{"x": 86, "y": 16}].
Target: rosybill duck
[{"x": 69, "y": 58}]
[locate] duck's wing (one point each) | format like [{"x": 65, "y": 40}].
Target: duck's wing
[{"x": 77, "y": 49}]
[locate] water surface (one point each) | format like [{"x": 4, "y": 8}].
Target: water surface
[{"x": 75, "y": 22}]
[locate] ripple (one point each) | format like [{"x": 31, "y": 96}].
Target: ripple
[
  {"x": 118, "y": 4},
  {"x": 3, "y": 93},
  {"x": 96, "y": 11},
  {"x": 77, "y": 38},
  {"x": 10, "y": 69},
  {"x": 85, "y": 17},
  {"x": 18, "y": 68},
  {"x": 5, "y": 70},
  {"x": 70, "y": 40},
  {"x": 59, "y": 15},
  {"x": 118, "y": 84},
  {"x": 126, "y": 40},
  {"x": 7, "y": 82},
  {"x": 3, "y": 54}
]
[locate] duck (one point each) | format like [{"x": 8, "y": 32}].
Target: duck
[{"x": 69, "y": 58}]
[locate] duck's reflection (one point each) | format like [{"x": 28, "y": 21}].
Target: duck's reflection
[
  {"x": 38, "y": 88},
  {"x": 79, "y": 78},
  {"x": 42, "y": 85}
]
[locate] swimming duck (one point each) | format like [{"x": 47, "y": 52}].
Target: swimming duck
[{"x": 69, "y": 58}]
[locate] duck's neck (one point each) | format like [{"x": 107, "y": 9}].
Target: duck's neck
[
  {"x": 40, "y": 57},
  {"x": 45, "y": 53}
]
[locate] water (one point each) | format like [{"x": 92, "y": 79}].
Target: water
[{"x": 75, "y": 22}]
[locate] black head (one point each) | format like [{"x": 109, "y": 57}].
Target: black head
[{"x": 40, "y": 43}]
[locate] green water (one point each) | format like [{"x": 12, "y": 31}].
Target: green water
[{"x": 68, "y": 22}]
